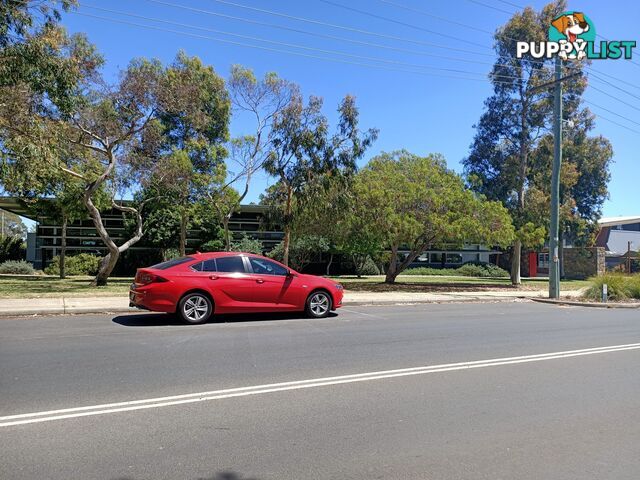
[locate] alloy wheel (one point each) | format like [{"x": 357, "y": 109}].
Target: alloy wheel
[
  {"x": 319, "y": 304},
  {"x": 195, "y": 308}
]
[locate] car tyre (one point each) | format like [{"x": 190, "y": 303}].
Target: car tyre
[
  {"x": 318, "y": 304},
  {"x": 195, "y": 308}
]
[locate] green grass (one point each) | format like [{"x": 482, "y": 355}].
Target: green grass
[
  {"x": 449, "y": 283},
  {"x": 48, "y": 286}
]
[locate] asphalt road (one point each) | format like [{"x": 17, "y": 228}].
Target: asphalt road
[{"x": 140, "y": 397}]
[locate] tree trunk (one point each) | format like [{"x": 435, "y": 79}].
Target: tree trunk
[
  {"x": 287, "y": 228},
  {"x": 227, "y": 234},
  {"x": 392, "y": 271},
  {"x": 184, "y": 221},
  {"x": 515, "y": 263},
  {"x": 107, "y": 264},
  {"x": 63, "y": 247},
  {"x": 285, "y": 245},
  {"x": 329, "y": 264}
]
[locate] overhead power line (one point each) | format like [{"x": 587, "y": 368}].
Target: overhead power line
[
  {"x": 615, "y": 98},
  {"x": 347, "y": 28},
  {"x": 330, "y": 37},
  {"x": 481, "y": 77},
  {"x": 293, "y": 45},
  {"x": 398, "y": 22},
  {"x": 617, "y": 123},
  {"x": 465, "y": 75},
  {"x": 611, "y": 112},
  {"x": 490, "y": 6}
]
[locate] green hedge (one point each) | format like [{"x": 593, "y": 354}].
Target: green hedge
[
  {"x": 17, "y": 267},
  {"x": 81, "y": 264},
  {"x": 619, "y": 286},
  {"x": 484, "y": 270}
]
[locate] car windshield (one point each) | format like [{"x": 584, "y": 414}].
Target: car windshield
[{"x": 172, "y": 263}]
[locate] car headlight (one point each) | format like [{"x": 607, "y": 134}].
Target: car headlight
[{"x": 339, "y": 287}]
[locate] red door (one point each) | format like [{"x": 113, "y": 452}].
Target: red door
[{"x": 533, "y": 264}]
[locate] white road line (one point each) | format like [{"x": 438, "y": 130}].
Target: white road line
[{"x": 102, "y": 409}]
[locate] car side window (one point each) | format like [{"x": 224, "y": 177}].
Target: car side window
[
  {"x": 209, "y": 265},
  {"x": 265, "y": 267},
  {"x": 231, "y": 264}
]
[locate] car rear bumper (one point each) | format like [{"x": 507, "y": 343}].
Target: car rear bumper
[{"x": 145, "y": 299}]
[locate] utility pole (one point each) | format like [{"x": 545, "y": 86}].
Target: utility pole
[
  {"x": 554, "y": 265},
  {"x": 554, "y": 257}
]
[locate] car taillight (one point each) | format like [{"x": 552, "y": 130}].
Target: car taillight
[{"x": 145, "y": 278}]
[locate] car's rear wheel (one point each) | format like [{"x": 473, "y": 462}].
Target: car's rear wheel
[
  {"x": 195, "y": 308},
  {"x": 318, "y": 304}
]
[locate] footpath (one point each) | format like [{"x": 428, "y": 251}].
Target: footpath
[{"x": 60, "y": 305}]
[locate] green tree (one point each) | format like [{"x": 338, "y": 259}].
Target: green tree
[
  {"x": 303, "y": 250},
  {"x": 517, "y": 116},
  {"x": 111, "y": 140},
  {"x": 415, "y": 203},
  {"x": 247, "y": 244},
  {"x": 302, "y": 151},
  {"x": 11, "y": 225},
  {"x": 258, "y": 101},
  {"x": 194, "y": 123}
]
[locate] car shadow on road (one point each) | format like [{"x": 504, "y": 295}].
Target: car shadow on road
[
  {"x": 226, "y": 475},
  {"x": 167, "y": 319}
]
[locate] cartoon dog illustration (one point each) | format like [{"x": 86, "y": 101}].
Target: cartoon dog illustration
[{"x": 571, "y": 26}]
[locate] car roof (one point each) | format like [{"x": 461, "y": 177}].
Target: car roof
[{"x": 207, "y": 255}]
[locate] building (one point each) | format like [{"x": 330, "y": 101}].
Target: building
[
  {"x": 45, "y": 242},
  {"x": 620, "y": 237}
]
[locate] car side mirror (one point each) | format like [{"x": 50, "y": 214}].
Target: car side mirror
[{"x": 290, "y": 273}]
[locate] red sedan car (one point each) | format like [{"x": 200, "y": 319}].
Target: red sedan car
[{"x": 198, "y": 285}]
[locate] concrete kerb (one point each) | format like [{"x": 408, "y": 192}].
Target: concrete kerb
[
  {"x": 79, "y": 305},
  {"x": 576, "y": 303}
]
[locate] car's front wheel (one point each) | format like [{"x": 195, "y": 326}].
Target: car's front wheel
[
  {"x": 318, "y": 304},
  {"x": 195, "y": 308}
]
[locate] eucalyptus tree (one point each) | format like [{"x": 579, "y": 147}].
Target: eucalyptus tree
[
  {"x": 302, "y": 151},
  {"x": 110, "y": 138},
  {"x": 256, "y": 102},
  {"x": 413, "y": 203},
  {"x": 517, "y": 116}
]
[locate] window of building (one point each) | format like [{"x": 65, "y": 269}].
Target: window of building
[
  {"x": 231, "y": 264},
  {"x": 424, "y": 258},
  {"x": 543, "y": 260},
  {"x": 437, "y": 257},
  {"x": 454, "y": 258}
]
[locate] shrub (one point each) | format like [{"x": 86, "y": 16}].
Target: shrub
[
  {"x": 302, "y": 250},
  {"x": 11, "y": 248},
  {"x": 484, "y": 270},
  {"x": 619, "y": 286},
  {"x": 369, "y": 267},
  {"x": 81, "y": 264},
  {"x": 430, "y": 271},
  {"x": 212, "y": 246},
  {"x": 17, "y": 267},
  {"x": 247, "y": 244}
]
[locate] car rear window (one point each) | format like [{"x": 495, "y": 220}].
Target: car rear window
[{"x": 172, "y": 263}]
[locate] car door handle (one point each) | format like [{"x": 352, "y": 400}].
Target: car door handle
[
  {"x": 213, "y": 277},
  {"x": 259, "y": 280}
]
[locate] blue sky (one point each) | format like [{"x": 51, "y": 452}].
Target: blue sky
[{"x": 424, "y": 113}]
